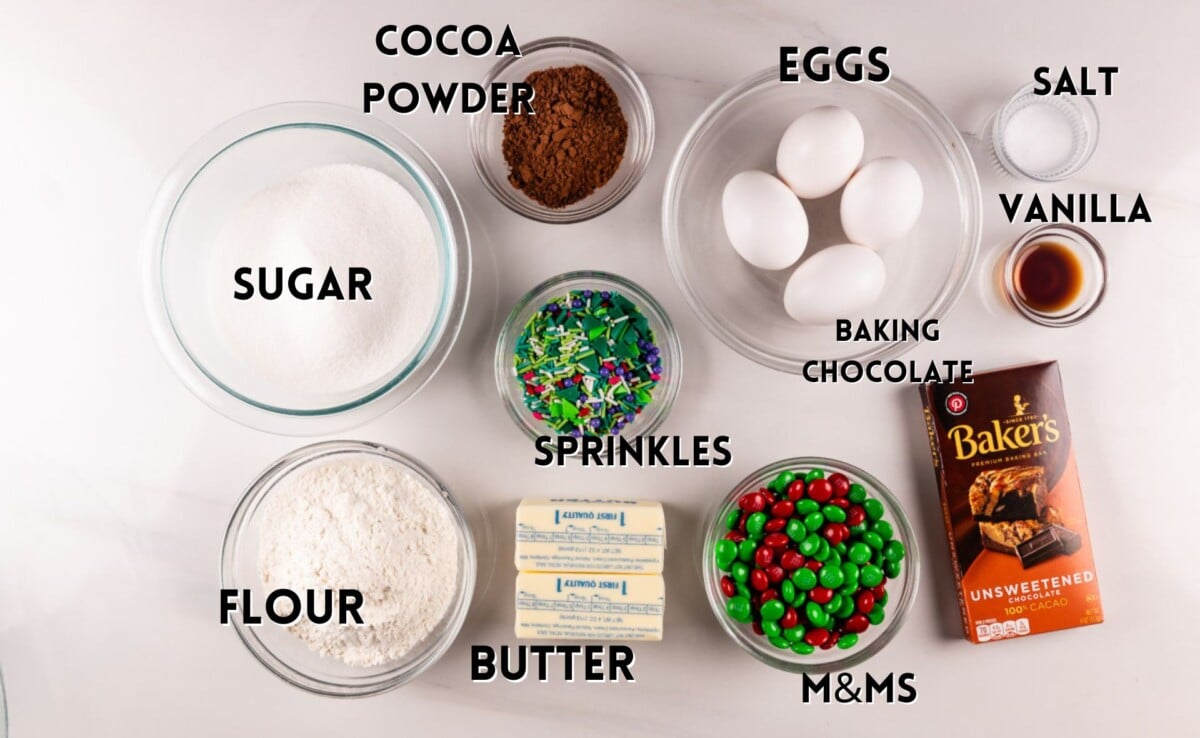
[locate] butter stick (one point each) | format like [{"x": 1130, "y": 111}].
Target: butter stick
[
  {"x": 614, "y": 607},
  {"x": 615, "y": 536}
]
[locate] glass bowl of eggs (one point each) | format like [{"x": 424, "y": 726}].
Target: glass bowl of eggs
[{"x": 789, "y": 207}]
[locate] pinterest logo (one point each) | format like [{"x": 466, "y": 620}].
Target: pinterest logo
[{"x": 956, "y": 403}]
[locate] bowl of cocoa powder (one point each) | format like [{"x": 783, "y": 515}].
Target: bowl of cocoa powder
[{"x": 582, "y": 144}]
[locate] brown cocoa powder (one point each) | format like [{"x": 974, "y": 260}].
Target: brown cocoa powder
[{"x": 573, "y": 142}]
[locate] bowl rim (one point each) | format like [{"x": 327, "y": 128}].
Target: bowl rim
[
  {"x": 758, "y": 647},
  {"x": 254, "y": 496},
  {"x": 962, "y": 166},
  {"x": 450, "y": 225},
  {"x": 639, "y": 159},
  {"x": 502, "y": 359},
  {"x": 3, "y": 709}
]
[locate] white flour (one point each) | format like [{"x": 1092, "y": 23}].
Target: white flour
[
  {"x": 339, "y": 216},
  {"x": 367, "y": 525}
]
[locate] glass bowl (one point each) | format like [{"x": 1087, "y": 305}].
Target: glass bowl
[
  {"x": 1092, "y": 264},
  {"x": 900, "y": 595},
  {"x": 487, "y": 130},
  {"x": 742, "y": 305},
  {"x": 211, "y": 182},
  {"x": 1079, "y": 131},
  {"x": 287, "y": 656},
  {"x": 512, "y": 389}
]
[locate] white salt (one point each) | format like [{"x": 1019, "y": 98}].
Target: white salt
[
  {"x": 339, "y": 216},
  {"x": 1039, "y": 138}
]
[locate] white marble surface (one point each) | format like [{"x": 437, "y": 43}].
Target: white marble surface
[{"x": 117, "y": 484}]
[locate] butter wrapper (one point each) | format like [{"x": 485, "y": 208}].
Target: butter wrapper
[
  {"x": 612, "y": 607},
  {"x": 608, "y": 536}
]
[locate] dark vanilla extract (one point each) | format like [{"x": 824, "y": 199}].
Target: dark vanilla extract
[{"x": 1048, "y": 277}]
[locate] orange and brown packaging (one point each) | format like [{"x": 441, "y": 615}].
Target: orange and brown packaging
[{"x": 1012, "y": 503}]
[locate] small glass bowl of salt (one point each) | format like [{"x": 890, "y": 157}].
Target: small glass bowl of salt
[{"x": 1046, "y": 138}]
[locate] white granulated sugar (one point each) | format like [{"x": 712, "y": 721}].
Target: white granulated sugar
[
  {"x": 369, "y": 525},
  {"x": 339, "y": 216}
]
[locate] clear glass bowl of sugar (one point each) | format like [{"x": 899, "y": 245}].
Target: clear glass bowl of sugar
[
  {"x": 284, "y": 653},
  {"x": 275, "y": 370}
]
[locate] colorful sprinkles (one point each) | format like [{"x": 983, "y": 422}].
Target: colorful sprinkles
[{"x": 588, "y": 363}]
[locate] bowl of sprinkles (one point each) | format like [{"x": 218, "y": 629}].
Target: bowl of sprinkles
[
  {"x": 588, "y": 354},
  {"x": 810, "y": 565}
]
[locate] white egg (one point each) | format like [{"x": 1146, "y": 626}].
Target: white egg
[
  {"x": 819, "y": 151},
  {"x": 838, "y": 282},
  {"x": 882, "y": 202},
  {"x": 764, "y": 221}
]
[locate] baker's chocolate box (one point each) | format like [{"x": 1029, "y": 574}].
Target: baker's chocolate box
[{"x": 1012, "y": 503}]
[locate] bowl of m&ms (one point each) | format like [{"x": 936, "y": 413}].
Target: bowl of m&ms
[{"x": 810, "y": 564}]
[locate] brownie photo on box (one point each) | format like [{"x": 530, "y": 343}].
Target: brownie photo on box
[
  {"x": 1010, "y": 506},
  {"x": 1012, "y": 493}
]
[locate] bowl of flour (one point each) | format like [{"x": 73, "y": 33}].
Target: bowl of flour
[
  {"x": 349, "y": 516},
  {"x": 306, "y": 268}
]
